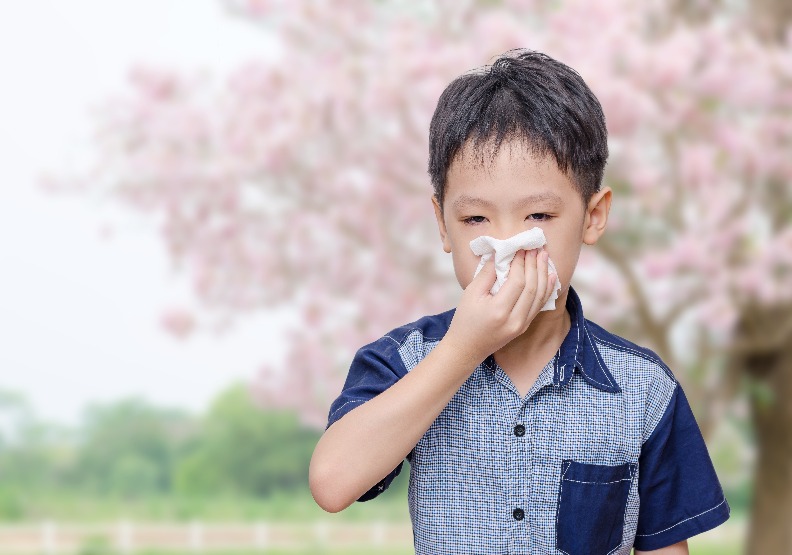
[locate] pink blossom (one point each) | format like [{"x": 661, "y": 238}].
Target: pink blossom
[
  {"x": 303, "y": 181},
  {"x": 178, "y": 321}
]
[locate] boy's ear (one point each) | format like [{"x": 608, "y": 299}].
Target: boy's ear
[
  {"x": 441, "y": 224},
  {"x": 597, "y": 215}
]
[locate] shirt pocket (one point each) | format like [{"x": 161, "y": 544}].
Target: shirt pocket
[{"x": 592, "y": 499}]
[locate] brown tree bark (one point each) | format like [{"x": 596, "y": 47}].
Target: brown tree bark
[
  {"x": 771, "y": 19},
  {"x": 769, "y": 369},
  {"x": 765, "y": 335},
  {"x": 762, "y": 349}
]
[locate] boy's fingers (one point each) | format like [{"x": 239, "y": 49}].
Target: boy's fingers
[
  {"x": 515, "y": 281},
  {"x": 485, "y": 279},
  {"x": 522, "y": 307},
  {"x": 551, "y": 281},
  {"x": 531, "y": 262},
  {"x": 541, "y": 282}
]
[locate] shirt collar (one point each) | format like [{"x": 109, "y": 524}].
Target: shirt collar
[{"x": 578, "y": 351}]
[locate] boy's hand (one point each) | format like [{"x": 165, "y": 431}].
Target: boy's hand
[{"x": 483, "y": 323}]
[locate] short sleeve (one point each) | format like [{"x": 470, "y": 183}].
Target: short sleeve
[
  {"x": 680, "y": 495},
  {"x": 375, "y": 367}
]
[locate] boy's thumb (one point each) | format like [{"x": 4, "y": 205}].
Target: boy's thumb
[{"x": 485, "y": 279}]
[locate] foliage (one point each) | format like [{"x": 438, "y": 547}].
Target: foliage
[
  {"x": 33, "y": 454},
  {"x": 302, "y": 181},
  {"x": 246, "y": 451},
  {"x": 131, "y": 457},
  {"x": 128, "y": 448},
  {"x": 323, "y": 153}
]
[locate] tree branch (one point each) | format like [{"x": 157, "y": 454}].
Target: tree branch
[
  {"x": 762, "y": 341},
  {"x": 657, "y": 334},
  {"x": 675, "y": 311}
]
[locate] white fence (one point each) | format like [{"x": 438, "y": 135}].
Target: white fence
[{"x": 127, "y": 537}]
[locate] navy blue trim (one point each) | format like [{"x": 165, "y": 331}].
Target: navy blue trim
[
  {"x": 377, "y": 366},
  {"x": 578, "y": 351},
  {"x": 382, "y": 485},
  {"x": 592, "y": 500},
  {"x": 604, "y": 336},
  {"x": 432, "y": 328},
  {"x": 677, "y": 485}
]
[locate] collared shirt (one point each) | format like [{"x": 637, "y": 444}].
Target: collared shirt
[{"x": 602, "y": 454}]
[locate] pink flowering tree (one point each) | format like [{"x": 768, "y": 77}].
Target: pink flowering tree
[{"x": 302, "y": 182}]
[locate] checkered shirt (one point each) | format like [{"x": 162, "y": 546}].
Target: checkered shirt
[{"x": 602, "y": 454}]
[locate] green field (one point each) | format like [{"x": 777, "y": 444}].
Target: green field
[
  {"x": 695, "y": 549},
  {"x": 298, "y": 509}
]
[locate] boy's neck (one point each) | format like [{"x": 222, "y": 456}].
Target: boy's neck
[{"x": 530, "y": 352}]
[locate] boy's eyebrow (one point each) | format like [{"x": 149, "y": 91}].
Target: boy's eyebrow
[{"x": 547, "y": 197}]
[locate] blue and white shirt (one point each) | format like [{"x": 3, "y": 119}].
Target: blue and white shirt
[{"x": 603, "y": 453}]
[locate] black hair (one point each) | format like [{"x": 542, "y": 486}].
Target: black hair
[{"x": 524, "y": 95}]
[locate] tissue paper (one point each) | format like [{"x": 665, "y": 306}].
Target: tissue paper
[{"x": 504, "y": 251}]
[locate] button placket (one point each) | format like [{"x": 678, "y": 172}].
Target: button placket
[
  {"x": 515, "y": 500},
  {"x": 527, "y": 449},
  {"x": 520, "y": 516}
]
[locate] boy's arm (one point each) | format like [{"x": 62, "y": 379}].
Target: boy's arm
[
  {"x": 680, "y": 548},
  {"x": 367, "y": 443}
]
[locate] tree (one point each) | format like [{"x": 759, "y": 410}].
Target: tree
[
  {"x": 128, "y": 448},
  {"x": 28, "y": 455},
  {"x": 242, "y": 449},
  {"x": 303, "y": 181}
]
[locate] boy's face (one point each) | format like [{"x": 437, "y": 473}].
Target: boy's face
[{"x": 515, "y": 192}]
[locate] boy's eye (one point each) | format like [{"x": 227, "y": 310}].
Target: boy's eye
[
  {"x": 538, "y": 216},
  {"x": 473, "y": 220}
]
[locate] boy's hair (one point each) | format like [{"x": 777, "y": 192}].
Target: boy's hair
[{"x": 523, "y": 95}]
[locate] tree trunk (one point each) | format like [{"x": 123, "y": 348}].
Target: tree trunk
[
  {"x": 771, "y": 404},
  {"x": 771, "y": 18},
  {"x": 770, "y": 374}
]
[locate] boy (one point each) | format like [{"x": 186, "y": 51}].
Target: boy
[{"x": 529, "y": 428}]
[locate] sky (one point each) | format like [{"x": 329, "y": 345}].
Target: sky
[{"x": 79, "y": 314}]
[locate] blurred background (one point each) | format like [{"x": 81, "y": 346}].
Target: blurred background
[{"x": 208, "y": 206}]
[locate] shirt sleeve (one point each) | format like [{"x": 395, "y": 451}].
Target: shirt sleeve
[
  {"x": 680, "y": 495},
  {"x": 375, "y": 368}
]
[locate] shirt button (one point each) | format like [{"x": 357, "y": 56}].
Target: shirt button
[
  {"x": 519, "y": 430},
  {"x": 518, "y": 514}
]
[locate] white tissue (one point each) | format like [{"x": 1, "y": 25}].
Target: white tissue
[{"x": 504, "y": 251}]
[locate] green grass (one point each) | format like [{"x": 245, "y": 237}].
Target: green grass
[
  {"x": 695, "y": 549},
  {"x": 710, "y": 543},
  {"x": 311, "y": 551},
  {"x": 299, "y": 506},
  {"x": 715, "y": 549},
  {"x": 391, "y": 507}
]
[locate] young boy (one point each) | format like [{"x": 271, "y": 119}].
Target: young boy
[{"x": 529, "y": 428}]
